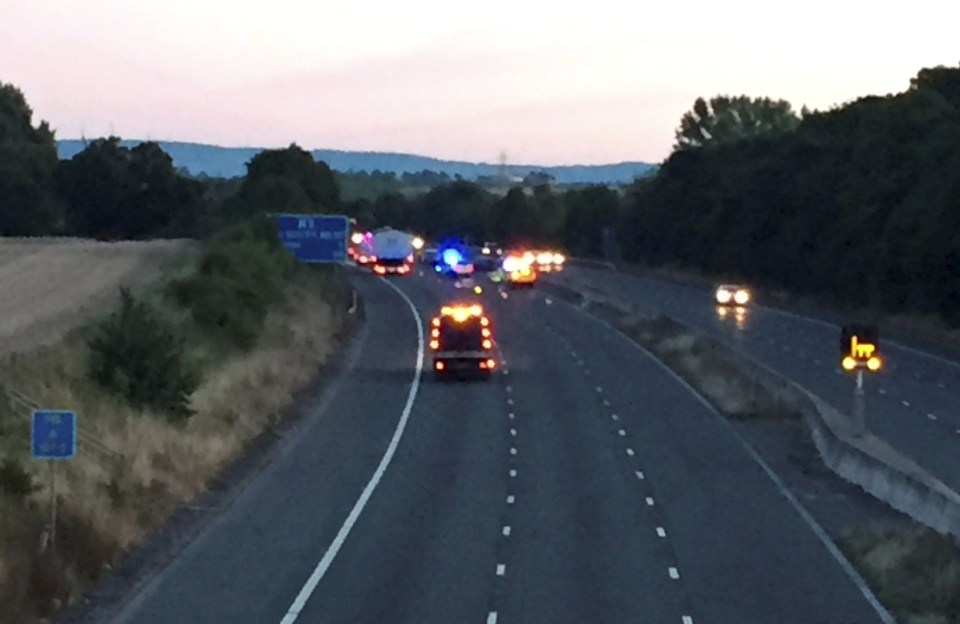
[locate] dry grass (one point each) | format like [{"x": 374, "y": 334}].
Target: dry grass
[
  {"x": 914, "y": 571},
  {"x": 52, "y": 286},
  {"x": 693, "y": 358},
  {"x": 109, "y": 506}
]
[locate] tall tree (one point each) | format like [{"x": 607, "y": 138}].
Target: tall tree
[
  {"x": 724, "y": 119},
  {"x": 28, "y": 162},
  {"x": 288, "y": 180}
]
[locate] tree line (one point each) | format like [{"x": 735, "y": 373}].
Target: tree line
[{"x": 859, "y": 203}]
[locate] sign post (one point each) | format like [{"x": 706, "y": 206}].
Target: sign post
[
  {"x": 315, "y": 238},
  {"x": 859, "y": 351},
  {"x": 53, "y": 437}
]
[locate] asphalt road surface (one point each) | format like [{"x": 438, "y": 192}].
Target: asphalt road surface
[
  {"x": 581, "y": 484},
  {"x": 913, "y": 403}
]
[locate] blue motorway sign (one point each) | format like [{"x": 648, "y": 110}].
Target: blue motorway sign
[
  {"x": 53, "y": 434},
  {"x": 315, "y": 238}
]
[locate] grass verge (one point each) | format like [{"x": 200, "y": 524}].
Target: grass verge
[
  {"x": 914, "y": 571},
  {"x": 136, "y": 466},
  {"x": 699, "y": 362}
]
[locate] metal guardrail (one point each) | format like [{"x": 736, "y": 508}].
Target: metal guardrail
[{"x": 85, "y": 439}]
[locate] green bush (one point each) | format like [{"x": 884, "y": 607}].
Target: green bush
[
  {"x": 242, "y": 274},
  {"x": 139, "y": 356},
  {"x": 15, "y": 481}
]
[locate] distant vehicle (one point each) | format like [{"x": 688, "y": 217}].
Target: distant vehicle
[
  {"x": 462, "y": 342},
  {"x": 548, "y": 261},
  {"x": 393, "y": 252},
  {"x": 522, "y": 277},
  {"x": 519, "y": 271},
  {"x": 429, "y": 255},
  {"x": 732, "y": 295},
  {"x": 363, "y": 253},
  {"x": 452, "y": 262},
  {"x": 491, "y": 249}
]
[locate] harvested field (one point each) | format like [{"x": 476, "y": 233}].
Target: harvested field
[{"x": 49, "y": 286}]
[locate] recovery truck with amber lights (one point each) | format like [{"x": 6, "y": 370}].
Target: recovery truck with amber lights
[{"x": 461, "y": 340}]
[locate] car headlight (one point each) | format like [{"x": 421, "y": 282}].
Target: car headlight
[
  {"x": 723, "y": 295},
  {"x": 741, "y": 297}
]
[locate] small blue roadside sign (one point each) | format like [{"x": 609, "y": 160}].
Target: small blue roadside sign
[
  {"x": 54, "y": 434},
  {"x": 315, "y": 238}
]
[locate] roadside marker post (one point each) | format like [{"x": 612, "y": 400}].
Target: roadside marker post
[{"x": 53, "y": 437}]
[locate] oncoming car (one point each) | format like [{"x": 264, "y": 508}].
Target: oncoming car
[
  {"x": 732, "y": 295},
  {"x": 462, "y": 342}
]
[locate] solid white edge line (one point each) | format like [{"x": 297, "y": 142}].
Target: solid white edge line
[
  {"x": 308, "y": 588},
  {"x": 818, "y": 530}
]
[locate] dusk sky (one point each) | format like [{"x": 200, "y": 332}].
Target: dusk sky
[{"x": 547, "y": 83}]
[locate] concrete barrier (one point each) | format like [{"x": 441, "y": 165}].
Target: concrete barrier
[{"x": 845, "y": 447}]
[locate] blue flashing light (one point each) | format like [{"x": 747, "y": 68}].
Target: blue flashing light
[{"x": 451, "y": 257}]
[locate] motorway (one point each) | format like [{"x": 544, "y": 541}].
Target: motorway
[
  {"x": 581, "y": 484},
  {"x": 913, "y": 403}
]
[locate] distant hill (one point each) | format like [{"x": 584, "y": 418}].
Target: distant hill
[{"x": 228, "y": 162}]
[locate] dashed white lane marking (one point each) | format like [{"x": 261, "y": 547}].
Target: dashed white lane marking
[
  {"x": 630, "y": 452},
  {"x": 513, "y": 473},
  {"x": 931, "y": 416},
  {"x": 661, "y": 532},
  {"x": 674, "y": 573},
  {"x": 509, "y": 388},
  {"x": 579, "y": 362},
  {"x": 492, "y": 617},
  {"x": 639, "y": 475},
  {"x": 586, "y": 371},
  {"x": 614, "y": 416},
  {"x": 513, "y": 450},
  {"x": 687, "y": 619},
  {"x": 513, "y": 432},
  {"x": 599, "y": 389},
  {"x": 882, "y": 390},
  {"x": 324, "y": 564},
  {"x": 501, "y": 569},
  {"x": 816, "y": 361},
  {"x": 906, "y": 403},
  {"x": 649, "y": 502},
  {"x": 506, "y": 531},
  {"x": 511, "y": 415},
  {"x": 941, "y": 385},
  {"x": 622, "y": 432},
  {"x": 506, "y": 372},
  {"x": 606, "y": 403},
  {"x": 511, "y": 499},
  {"x": 509, "y": 401}
]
